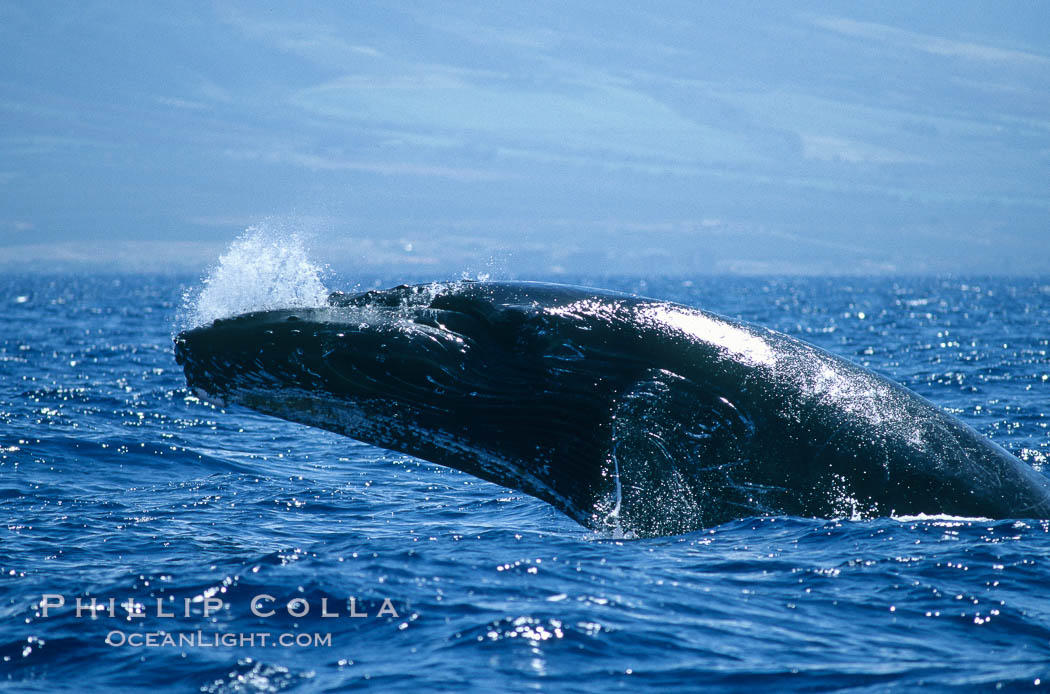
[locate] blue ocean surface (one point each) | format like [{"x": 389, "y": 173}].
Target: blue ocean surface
[{"x": 117, "y": 483}]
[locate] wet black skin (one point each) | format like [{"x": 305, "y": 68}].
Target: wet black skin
[{"x": 620, "y": 411}]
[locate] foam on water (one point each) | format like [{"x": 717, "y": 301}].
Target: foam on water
[
  {"x": 264, "y": 269},
  {"x": 932, "y": 517}
]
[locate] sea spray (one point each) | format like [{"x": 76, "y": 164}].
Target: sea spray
[{"x": 263, "y": 269}]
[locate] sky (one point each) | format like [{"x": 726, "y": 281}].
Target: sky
[{"x": 530, "y": 139}]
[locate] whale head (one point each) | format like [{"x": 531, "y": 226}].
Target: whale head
[{"x": 480, "y": 377}]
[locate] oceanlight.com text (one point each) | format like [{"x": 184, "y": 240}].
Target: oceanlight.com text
[{"x": 217, "y": 639}]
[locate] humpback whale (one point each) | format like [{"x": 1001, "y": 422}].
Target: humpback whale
[{"x": 628, "y": 413}]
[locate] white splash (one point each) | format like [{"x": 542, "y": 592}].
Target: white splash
[
  {"x": 263, "y": 269},
  {"x": 940, "y": 518}
]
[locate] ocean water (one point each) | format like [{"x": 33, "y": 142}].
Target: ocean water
[{"x": 117, "y": 483}]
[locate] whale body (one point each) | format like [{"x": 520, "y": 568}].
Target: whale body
[{"x": 645, "y": 416}]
